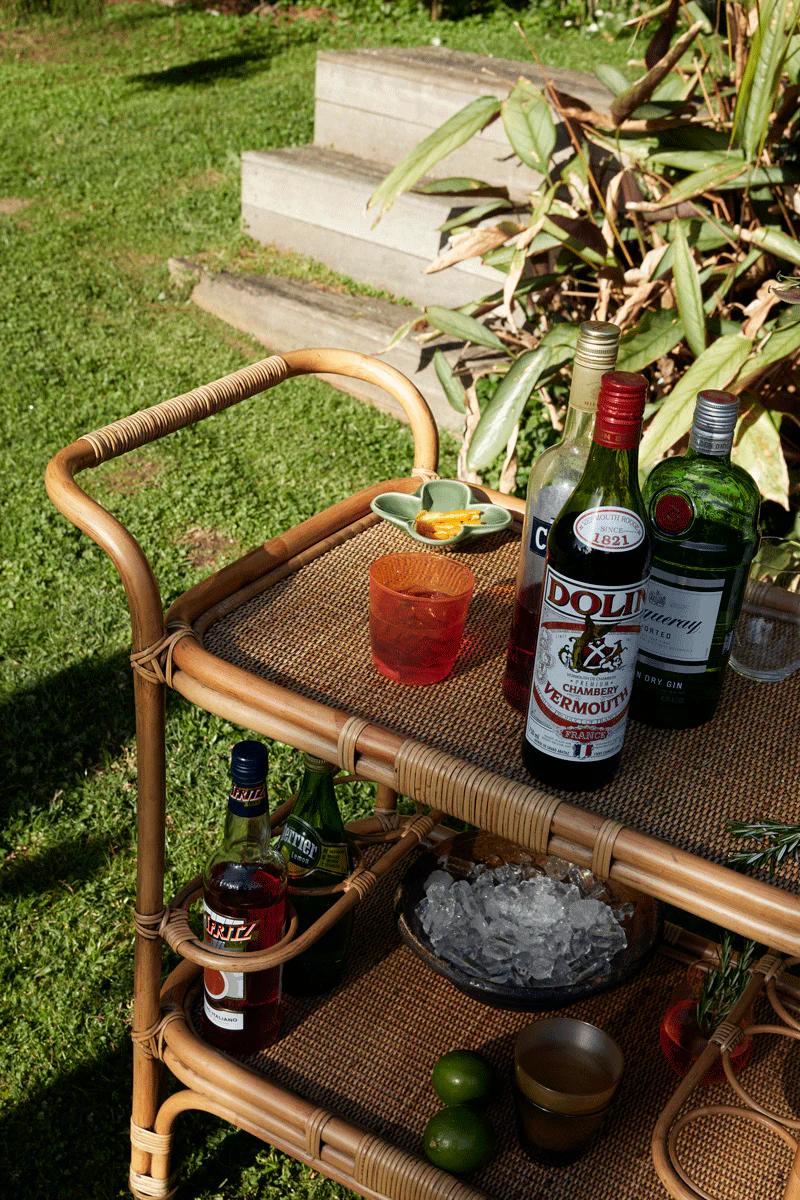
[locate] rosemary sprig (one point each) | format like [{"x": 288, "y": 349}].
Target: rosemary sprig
[
  {"x": 774, "y": 842},
  {"x": 723, "y": 984}
]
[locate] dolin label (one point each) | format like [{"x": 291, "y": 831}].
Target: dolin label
[{"x": 585, "y": 661}]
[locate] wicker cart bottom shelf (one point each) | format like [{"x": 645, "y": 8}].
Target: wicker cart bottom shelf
[{"x": 365, "y": 1053}]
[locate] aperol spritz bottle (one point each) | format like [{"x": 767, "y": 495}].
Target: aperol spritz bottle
[{"x": 244, "y": 903}]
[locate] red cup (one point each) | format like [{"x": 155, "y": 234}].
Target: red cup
[
  {"x": 417, "y": 608},
  {"x": 682, "y": 1043}
]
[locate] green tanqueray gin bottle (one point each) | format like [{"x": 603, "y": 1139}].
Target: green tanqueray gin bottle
[{"x": 703, "y": 512}]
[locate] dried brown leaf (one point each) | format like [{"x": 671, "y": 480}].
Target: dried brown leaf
[
  {"x": 471, "y": 244},
  {"x": 759, "y": 308}
]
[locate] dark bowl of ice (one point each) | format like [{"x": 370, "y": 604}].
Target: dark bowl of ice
[{"x": 521, "y": 931}]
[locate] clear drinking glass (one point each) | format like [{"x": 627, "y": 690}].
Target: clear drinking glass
[
  {"x": 766, "y": 643},
  {"x": 417, "y": 608}
]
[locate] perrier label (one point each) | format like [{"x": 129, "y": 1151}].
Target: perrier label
[
  {"x": 305, "y": 852},
  {"x": 317, "y": 853}
]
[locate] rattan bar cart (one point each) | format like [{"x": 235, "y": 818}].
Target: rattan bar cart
[{"x": 277, "y": 642}]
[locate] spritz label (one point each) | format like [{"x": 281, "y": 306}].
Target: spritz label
[
  {"x": 584, "y": 667},
  {"x": 608, "y": 528}
]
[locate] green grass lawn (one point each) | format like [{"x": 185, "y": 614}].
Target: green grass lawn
[{"x": 121, "y": 147}]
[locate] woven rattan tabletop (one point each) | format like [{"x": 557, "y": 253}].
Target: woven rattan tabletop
[
  {"x": 309, "y": 633},
  {"x": 366, "y": 1052}
]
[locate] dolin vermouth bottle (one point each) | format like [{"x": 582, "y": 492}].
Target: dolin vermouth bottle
[
  {"x": 598, "y": 557},
  {"x": 553, "y": 478},
  {"x": 704, "y": 518},
  {"x": 244, "y": 903}
]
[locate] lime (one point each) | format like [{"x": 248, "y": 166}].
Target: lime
[
  {"x": 462, "y": 1077},
  {"x": 458, "y": 1139}
]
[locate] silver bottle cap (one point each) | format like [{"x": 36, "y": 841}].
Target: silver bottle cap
[
  {"x": 715, "y": 417},
  {"x": 598, "y": 343}
]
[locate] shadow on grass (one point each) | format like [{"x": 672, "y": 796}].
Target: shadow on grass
[
  {"x": 205, "y": 70},
  {"x": 69, "y": 1139},
  {"x": 65, "y": 727}
]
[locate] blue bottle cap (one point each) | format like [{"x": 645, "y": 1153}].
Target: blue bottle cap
[{"x": 249, "y": 762}]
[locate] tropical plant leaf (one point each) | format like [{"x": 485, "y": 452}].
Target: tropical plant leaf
[
  {"x": 715, "y": 368},
  {"x": 757, "y": 448},
  {"x": 529, "y": 125},
  {"x": 774, "y": 241},
  {"x": 612, "y": 78},
  {"x": 706, "y": 180},
  {"x": 762, "y": 77},
  {"x": 688, "y": 293},
  {"x": 500, "y": 417},
  {"x": 466, "y": 329},
  {"x": 474, "y": 214},
  {"x": 401, "y": 332},
  {"x": 454, "y": 185},
  {"x": 694, "y": 160},
  {"x": 452, "y": 386},
  {"x": 658, "y": 332},
  {"x": 573, "y": 233},
  {"x": 437, "y": 145},
  {"x": 779, "y": 343}
]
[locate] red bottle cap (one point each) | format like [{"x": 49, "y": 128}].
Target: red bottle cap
[{"x": 619, "y": 410}]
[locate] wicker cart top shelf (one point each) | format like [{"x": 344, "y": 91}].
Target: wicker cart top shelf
[{"x": 280, "y": 642}]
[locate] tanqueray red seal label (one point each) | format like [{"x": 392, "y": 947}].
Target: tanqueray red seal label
[
  {"x": 672, "y": 513},
  {"x": 609, "y": 528},
  {"x": 584, "y": 667}
]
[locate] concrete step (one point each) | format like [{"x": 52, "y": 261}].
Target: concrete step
[
  {"x": 314, "y": 201},
  {"x": 378, "y": 104},
  {"x": 287, "y": 315}
]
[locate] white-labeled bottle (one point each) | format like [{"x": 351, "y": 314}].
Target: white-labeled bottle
[
  {"x": 598, "y": 559},
  {"x": 553, "y": 478}
]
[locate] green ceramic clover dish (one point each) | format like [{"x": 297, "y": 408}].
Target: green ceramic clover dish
[{"x": 440, "y": 495}]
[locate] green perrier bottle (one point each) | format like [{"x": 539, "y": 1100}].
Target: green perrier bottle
[{"x": 317, "y": 853}]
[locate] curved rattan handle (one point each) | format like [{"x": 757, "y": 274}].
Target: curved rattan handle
[
  {"x": 144, "y": 600},
  {"x": 150, "y": 424}
]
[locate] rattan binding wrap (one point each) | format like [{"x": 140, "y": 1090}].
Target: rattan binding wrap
[
  {"x": 603, "y": 850},
  {"x": 401, "y": 1176},
  {"x": 348, "y": 738},
  {"x": 171, "y": 415},
  {"x": 155, "y": 663},
  {"x": 148, "y": 1188},
  {"x": 149, "y": 1140},
  {"x": 436, "y": 778}
]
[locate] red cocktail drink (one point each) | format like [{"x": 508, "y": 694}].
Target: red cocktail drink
[{"x": 417, "y": 608}]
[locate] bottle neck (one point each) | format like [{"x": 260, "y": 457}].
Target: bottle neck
[
  {"x": 247, "y": 818},
  {"x": 316, "y": 800},
  {"x": 711, "y": 446},
  {"x": 583, "y": 393},
  {"x": 250, "y": 831},
  {"x": 578, "y": 425},
  {"x": 614, "y": 473}
]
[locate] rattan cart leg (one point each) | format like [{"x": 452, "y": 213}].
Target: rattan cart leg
[
  {"x": 386, "y": 806},
  {"x": 149, "y": 699}
]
